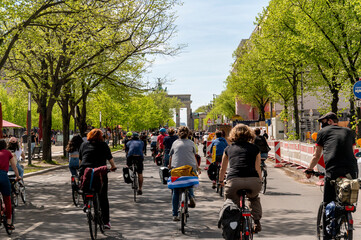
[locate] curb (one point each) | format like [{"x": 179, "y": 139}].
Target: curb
[{"x": 44, "y": 171}]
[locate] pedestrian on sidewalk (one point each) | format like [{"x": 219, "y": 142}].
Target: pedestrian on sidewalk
[{"x": 24, "y": 142}]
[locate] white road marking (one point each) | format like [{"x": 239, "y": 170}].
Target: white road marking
[{"x": 31, "y": 228}]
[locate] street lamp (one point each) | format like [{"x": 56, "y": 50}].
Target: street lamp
[{"x": 29, "y": 127}]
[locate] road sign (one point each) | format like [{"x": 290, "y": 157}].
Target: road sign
[
  {"x": 209, "y": 121},
  {"x": 358, "y": 103},
  {"x": 357, "y": 89}
]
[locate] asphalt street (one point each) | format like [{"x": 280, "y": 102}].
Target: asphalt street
[{"x": 289, "y": 209}]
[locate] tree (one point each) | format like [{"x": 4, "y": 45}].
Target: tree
[{"x": 58, "y": 49}]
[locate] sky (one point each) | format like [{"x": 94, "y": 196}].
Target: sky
[{"x": 212, "y": 30}]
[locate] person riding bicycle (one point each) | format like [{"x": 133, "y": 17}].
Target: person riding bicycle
[
  {"x": 262, "y": 144},
  {"x": 244, "y": 170},
  {"x": 73, "y": 149},
  {"x": 160, "y": 138},
  {"x": 337, "y": 145},
  {"x": 7, "y": 157},
  {"x": 14, "y": 148},
  {"x": 135, "y": 154},
  {"x": 168, "y": 142},
  {"x": 94, "y": 153},
  {"x": 220, "y": 143},
  {"x": 127, "y": 138},
  {"x": 183, "y": 152}
]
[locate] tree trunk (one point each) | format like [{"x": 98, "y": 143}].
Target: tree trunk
[
  {"x": 82, "y": 117},
  {"x": 335, "y": 99},
  {"x": 66, "y": 119},
  {"x": 47, "y": 121},
  {"x": 295, "y": 105}
]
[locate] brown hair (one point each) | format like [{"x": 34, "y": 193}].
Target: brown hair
[
  {"x": 241, "y": 133},
  {"x": 95, "y": 135},
  {"x": 171, "y": 131},
  {"x": 183, "y": 132},
  {"x": 219, "y": 133}
]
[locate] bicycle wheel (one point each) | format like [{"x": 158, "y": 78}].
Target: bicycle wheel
[
  {"x": 99, "y": 215},
  {"x": 76, "y": 196},
  {"x": 247, "y": 231},
  {"x": 183, "y": 211},
  {"x": 135, "y": 185},
  {"x": 14, "y": 197},
  {"x": 264, "y": 181},
  {"x": 92, "y": 220},
  {"x": 319, "y": 229},
  {"x": 346, "y": 227},
  {"x": 22, "y": 191}
]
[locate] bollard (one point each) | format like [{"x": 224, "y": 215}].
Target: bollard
[{"x": 277, "y": 150}]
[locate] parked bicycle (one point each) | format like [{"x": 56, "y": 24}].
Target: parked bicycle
[
  {"x": 246, "y": 219},
  {"x": 343, "y": 222},
  {"x": 93, "y": 210},
  {"x": 264, "y": 176},
  {"x": 17, "y": 188}
]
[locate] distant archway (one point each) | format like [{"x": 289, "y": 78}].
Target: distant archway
[{"x": 186, "y": 100}]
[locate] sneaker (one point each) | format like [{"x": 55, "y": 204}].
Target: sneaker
[
  {"x": 257, "y": 226},
  {"x": 192, "y": 202},
  {"x": 176, "y": 218},
  {"x": 107, "y": 226},
  {"x": 139, "y": 192}
]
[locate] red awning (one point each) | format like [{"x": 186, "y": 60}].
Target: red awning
[{"x": 7, "y": 124}]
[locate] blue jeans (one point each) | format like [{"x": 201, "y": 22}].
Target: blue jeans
[
  {"x": 5, "y": 187},
  {"x": 175, "y": 199},
  {"x": 73, "y": 165},
  {"x": 20, "y": 169}
]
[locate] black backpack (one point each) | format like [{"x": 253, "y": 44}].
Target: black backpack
[
  {"x": 126, "y": 175},
  {"x": 212, "y": 171},
  {"x": 230, "y": 222}
]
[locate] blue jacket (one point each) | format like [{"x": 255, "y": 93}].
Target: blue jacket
[
  {"x": 135, "y": 147},
  {"x": 220, "y": 144}
]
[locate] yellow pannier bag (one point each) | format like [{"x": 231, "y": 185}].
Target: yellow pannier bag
[
  {"x": 185, "y": 170},
  {"x": 347, "y": 190}
]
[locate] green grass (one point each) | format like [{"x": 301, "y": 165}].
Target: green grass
[{"x": 116, "y": 148}]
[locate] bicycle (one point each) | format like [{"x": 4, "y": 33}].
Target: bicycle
[
  {"x": 3, "y": 218},
  {"x": 344, "y": 224},
  {"x": 17, "y": 188},
  {"x": 246, "y": 219},
  {"x": 93, "y": 210},
  {"x": 264, "y": 176},
  {"x": 219, "y": 188},
  {"x": 75, "y": 191}
]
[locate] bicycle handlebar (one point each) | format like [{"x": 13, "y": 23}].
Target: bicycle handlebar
[{"x": 315, "y": 173}]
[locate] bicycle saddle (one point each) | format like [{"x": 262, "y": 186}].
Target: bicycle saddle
[{"x": 242, "y": 192}]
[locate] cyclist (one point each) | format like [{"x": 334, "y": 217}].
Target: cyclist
[
  {"x": 144, "y": 138},
  {"x": 94, "y": 153},
  {"x": 160, "y": 138},
  {"x": 168, "y": 142},
  {"x": 153, "y": 142},
  {"x": 73, "y": 149},
  {"x": 244, "y": 170},
  {"x": 182, "y": 153},
  {"x": 14, "y": 148},
  {"x": 7, "y": 157},
  {"x": 337, "y": 144},
  {"x": 127, "y": 138},
  {"x": 135, "y": 154},
  {"x": 262, "y": 144},
  {"x": 221, "y": 144}
]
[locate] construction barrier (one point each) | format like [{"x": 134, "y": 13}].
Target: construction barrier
[{"x": 295, "y": 153}]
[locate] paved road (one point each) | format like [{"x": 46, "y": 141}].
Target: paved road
[{"x": 289, "y": 209}]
